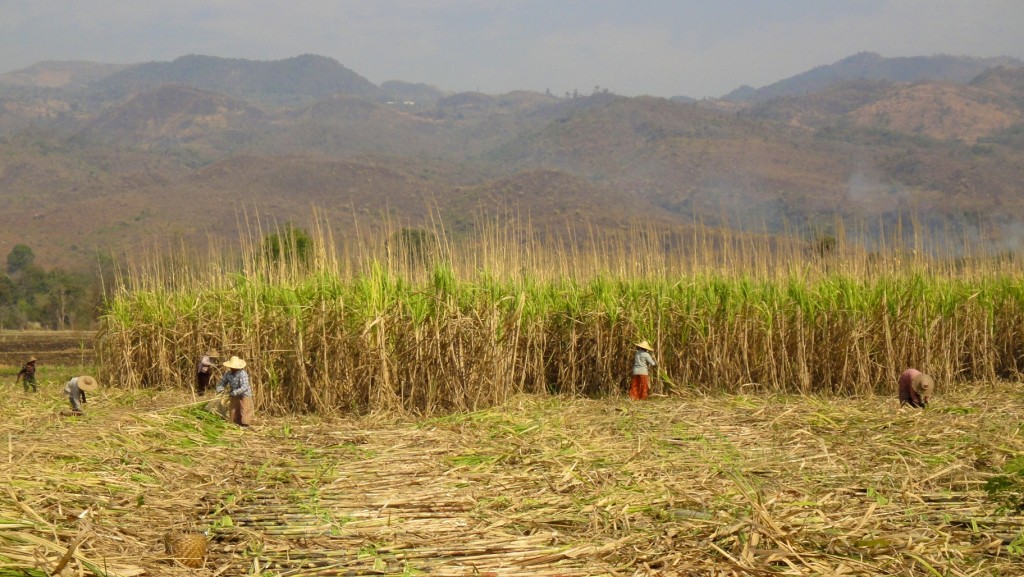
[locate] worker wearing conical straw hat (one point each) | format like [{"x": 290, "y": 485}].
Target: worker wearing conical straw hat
[
  {"x": 204, "y": 370},
  {"x": 27, "y": 375},
  {"x": 76, "y": 388},
  {"x": 236, "y": 383},
  {"x": 639, "y": 385},
  {"x": 915, "y": 388}
]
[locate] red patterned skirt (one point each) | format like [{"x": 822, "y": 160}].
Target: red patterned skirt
[{"x": 638, "y": 387}]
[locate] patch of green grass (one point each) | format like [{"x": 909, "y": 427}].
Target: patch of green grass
[
  {"x": 143, "y": 478},
  {"x": 198, "y": 421},
  {"x": 955, "y": 410},
  {"x": 821, "y": 420},
  {"x": 1007, "y": 488},
  {"x": 19, "y": 572},
  {"x": 1016, "y": 547},
  {"x": 472, "y": 460},
  {"x": 938, "y": 459},
  {"x": 496, "y": 503},
  {"x": 500, "y": 423},
  {"x": 185, "y": 460},
  {"x": 879, "y": 498},
  {"x": 271, "y": 472},
  {"x": 368, "y": 550}
]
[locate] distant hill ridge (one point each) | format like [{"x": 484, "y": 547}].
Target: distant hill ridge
[
  {"x": 68, "y": 74},
  {"x": 872, "y": 66},
  {"x": 297, "y": 79},
  {"x": 160, "y": 151}
]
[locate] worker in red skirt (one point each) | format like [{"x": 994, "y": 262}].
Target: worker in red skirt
[{"x": 639, "y": 385}]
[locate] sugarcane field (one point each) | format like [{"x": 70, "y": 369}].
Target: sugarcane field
[{"x": 454, "y": 412}]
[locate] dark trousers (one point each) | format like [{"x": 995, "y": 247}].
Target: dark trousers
[
  {"x": 30, "y": 381},
  {"x": 202, "y": 383},
  {"x": 77, "y": 397}
]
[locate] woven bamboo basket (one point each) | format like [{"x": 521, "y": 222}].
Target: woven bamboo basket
[{"x": 189, "y": 549}]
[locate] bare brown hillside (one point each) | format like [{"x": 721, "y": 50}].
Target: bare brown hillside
[
  {"x": 153, "y": 207},
  {"x": 133, "y": 160},
  {"x": 59, "y": 74},
  {"x": 175, "y": 113},
  {"x": 942, "y": 111},
  {"x": 821, "y": 108},
  {"x": 691, "y": 160},
  {"x": 1008, "y": 82}
]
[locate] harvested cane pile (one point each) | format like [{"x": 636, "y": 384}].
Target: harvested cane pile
[{"x": 721, "y": 485}]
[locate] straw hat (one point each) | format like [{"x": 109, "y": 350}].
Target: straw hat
[
  {"x": 924, "y": 385},
  {"x": 234, "y": 363},
  {"x": 31, "y": 359},
  {"x": 212, "y": 353},
  {"x": 645, "y": 345},
  {"x": 87, "y": 383}
]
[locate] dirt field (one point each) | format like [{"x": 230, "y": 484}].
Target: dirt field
[
  {"x": 50, "y": 347},
  {"x": 730, "y": 485}
]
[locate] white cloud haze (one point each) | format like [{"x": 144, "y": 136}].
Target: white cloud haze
[{"x": 659, "y": 47}]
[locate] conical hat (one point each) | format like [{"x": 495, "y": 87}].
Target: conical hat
[
  {"x": 645, "y": 345},
  {"x": 87, "y": 383},
  {"x": 923, "y": 384},
  {"x": 234, "y": 363}
]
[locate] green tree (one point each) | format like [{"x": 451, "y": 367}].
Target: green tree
[
  {"x": 8, "y": 303},
  {"x": 20, "y": 258},
  {"x": 414, "y": 245},
  {"x": 56, "y": 298},
  {"x": 291, "y": 244},
  {"x": 8, "y": 292},
  {"x": 64, "y": 300}
]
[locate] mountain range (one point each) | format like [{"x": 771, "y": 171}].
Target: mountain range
[
  {"x": 872, "y": 66},
  {"x": 97, "y": 157}
]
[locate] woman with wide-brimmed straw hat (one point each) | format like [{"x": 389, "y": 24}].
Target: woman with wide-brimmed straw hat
[
  {"x": 639, "y": 385},
  {"x": 204, "y": 370},
  {"x": 27, "y": 375},
  {"x": 236, "y": 383},
  {"x": 76, "y": 388},
  {"x": 915, "y": 388}
]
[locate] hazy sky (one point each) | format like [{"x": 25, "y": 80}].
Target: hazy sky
[{"x": 658, "y": 47}]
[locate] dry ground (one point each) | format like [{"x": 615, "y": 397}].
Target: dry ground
[
  {"x": 731, "y": 485},
  {"x": 52, "y": 348}
]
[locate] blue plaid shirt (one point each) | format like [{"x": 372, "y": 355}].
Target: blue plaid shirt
[{"x": 236, "y": 382}]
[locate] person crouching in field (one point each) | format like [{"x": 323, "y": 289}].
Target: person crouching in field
[
  {"x": 639, "y": 385},
  {"x": 76, "y": 388},
  {"x": 236, "y": 382},
  {"x": 915, "y": 388},
  {"x": 204, "y": 370},
  {"x": 27, "y": 375}
]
